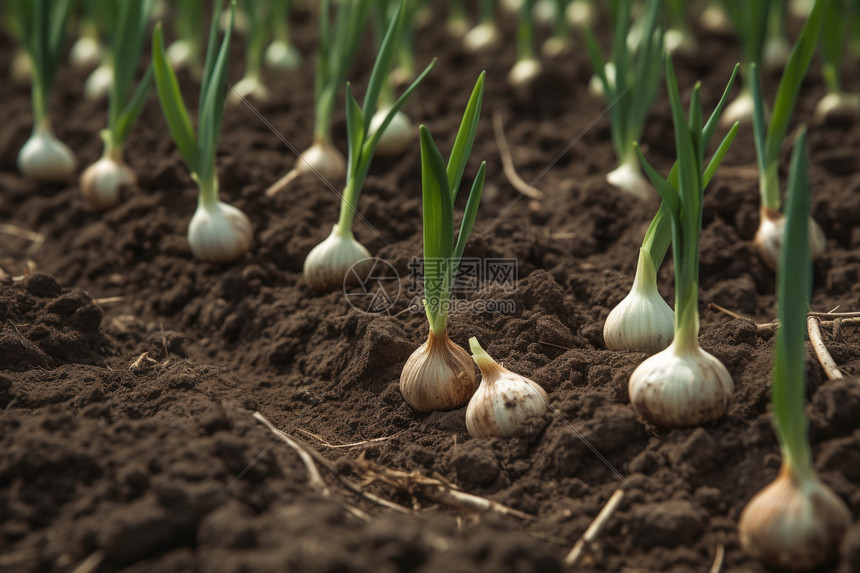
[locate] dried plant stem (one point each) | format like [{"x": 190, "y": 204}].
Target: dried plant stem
[
  {"x": 595, "y": 528},
  {"x": 514, "y": 179},
  {"x": 36, "y": 239},
  {"x": 719, "y": 555},
  {"x": 827, "y": 363},
  {"x": 322, "y": 441},
  {"x": 314, "y": 478}
]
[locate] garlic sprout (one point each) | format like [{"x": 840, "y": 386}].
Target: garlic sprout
[
  {"x": 642, "y": 321},
  {"x": 796, "y": 522},
  {"x": 837, "y": 103},
  {"x": 679, "y": 37},
  {"x": 750, "y": 23},
  {"x": 251, "y": 84},
  {"x": 43, "y": 30},
  {"x": 684, "y": 386},
  {"x": 455, "y": 23},
  {"x": 329, "y": 262},
  {"x": 770, "y": 135},
  {"x": 440, "y": 375},
  {"x": 637, "y": 75},
  {"x": 282, "y": 54},
  {"x": 186, "y": 51},
  {"x": 527, "y": 67},
  {"x": 101, "y": 182},
  {"x": 503, "y": 400},
  {"x": 218, "y": 233},
  {"x": 485, "y": 36},
  {"x": 336, "y": 48},
  {"x": 87, "y": 51}
]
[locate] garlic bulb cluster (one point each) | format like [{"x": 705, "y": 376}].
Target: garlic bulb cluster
[
  {"x": 837, "y": 105},
  {"x": 102, "y": 181},
  {"x": 483, "y": 37},
  {"x": 740, "y": 109},
  {"x": 524, "y": 72},
  {"x": 681, "y": 387},
  {"x": 503, "y": 400},
  {"x": 628, "y": 177},
  {"x": 322, "y": 158},
  {"x": 46, "y": 158},
  {"x": 642, "y": 322},
  {"x": 794, "y": 523},
  {"x": 282, "y": 56},
  {"x": 439, "y": 375},
  {"x": 327, "y": 265},
  {"x": 768, "y": 237},
  {"x": 219, "y": 233},
  {"x": 397, "y": 137},
  {"x": 98, "y": 82}
]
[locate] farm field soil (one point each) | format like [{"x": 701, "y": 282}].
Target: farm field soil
[{"x": 129, "y": 372}]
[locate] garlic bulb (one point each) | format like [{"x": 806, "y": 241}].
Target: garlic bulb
[
  {"x": 180, "y": 54},
  {"x": 642, "y": 322},
  {"x": 439, "y": 375},
  {"x": 102, "y": 181},
  {"x": 46, "y": 158},
  {"x": 681, "y": 387},
  {"x": 740, "y": 109},
  {"x": 595, "y": 86},
  {"x": 321, "y": 158},
  {"x": 714, "y": 18},
  {"x": 219, "y": 233},
  {"x": 482, "y": 38},
  {"x": 524, "y": 72},
  {"x": 775, "y": 51},
  {"x": 327, "y": 265},
  {"x": 503, "y": 400},
  {"x": 794, "y": 523},
  {"x": 555, "y": 46},
  {"x": 768, "y": 237},
  {"x": 580, "y": 14},
  {"x": 628, "y": 177},
  {"x": 98, "y": 83},
  {"x": 397, "y": 137},
  {"x": 249, "y": 86},
  {"x": 22, "y": 68},
  {"x": 837, "y": 105},
  {"x": 282, "y": 56},
  {"x": 86, "y": 52}
]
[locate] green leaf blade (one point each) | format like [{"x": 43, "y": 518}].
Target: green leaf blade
[{"x": 465, "y": 137}]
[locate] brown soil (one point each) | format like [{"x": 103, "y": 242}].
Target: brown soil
[{"x": 155, "y": 463}]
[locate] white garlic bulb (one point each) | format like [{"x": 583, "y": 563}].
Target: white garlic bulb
[
  {"x": 524, "y": 72},
  {"x": 837, "y": 105},
  {"x": 46, "y": 158},
  {"x": 98, "y": 82},
  {"x": 642, "y": 322},
  {"x": 322, "y": 158},
  {"x": 794, "y": 523},
  {"x": 86, "y": 52},
  {"x": 482, "y": 38},
  {"x": 282, "y": 56},
  {"x": 628, "y": 177},
  {"x": 739, "y": 109},
  {"x": 327, "y": 265},
  {"x": 439, "y": 375},
  {"x": 503, "y": 400},
  {"x": 249, "y": 86},
  {"x": 580, "y": 14},
  {"x": 219, "y": 233},
  {"x": 180, "y": 54},
  {"x": 681, "y": 387},
  {"x": 397, "y": 137},
  {"x": 595, "y": 84},
  {"x": 768, "y": 237},
  {"x": 102, "y": 181}
]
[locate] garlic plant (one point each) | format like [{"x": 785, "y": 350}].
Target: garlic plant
[
  {"x": 527, "y": 67},
  {"x": 328, "y": 263},
  {"x": 750, "y": 23},
  {"x": 102, "y": 181},
  {"x": 455, "y": 23},
  {"x": 837, "y": 103},
  {"x": 185, "y": 51},
  {"x": 485, "y": 36},
  {"x": 337, "y": 46},
  {"x": 637, "y": 75},
  {"x": 770, "y": 135},
  {"x": 683, "y": 386},
  {"x": 43, "y": 27},
  {"x": 678, "y": 37},
  {"x": 560, "y": 41},
  {"x": 282, "y": 54},
  {"x": 218, "y": 233},
  {"x": 97, "y": 84},
  {"x": 642, "y": 321},
  {"x": 796, "y": 522},
  {"x": 503, "y": 400},
  {"x": 439, "y": 375},
  {"x": 251, "y": 84}
]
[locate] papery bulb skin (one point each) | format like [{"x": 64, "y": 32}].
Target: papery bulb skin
[
  {"x": 482, "y": 38},
  {"x": 249, "y": 87},
  {"x": 524, "y": 73},
  {"x": 768, "y": 237},
  {"x": 282, "y": 56},
  {"x": 739, "y": 109},
  {"x": 439, "y": 375},
  {"x": 398, "y": 136},
  {"x": 580, "y": 14},
  {"x": 86, "y": 53},
  {"x": 503, "y": 400},
  {"x": 794, "y": 523},
  {"x": 628, "y": 177},
  {"x": 46, "y": 158},
  {"x": 327, "y": 265},
  {"x": 98, "y": 83},
  {"x": 837, "y": 106},
  {"x": 102, "y": 182},
  {"x": 681, "y": 387},
  {"x": 642, "y": 321},
  {"x": 219, "y": 233}
]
